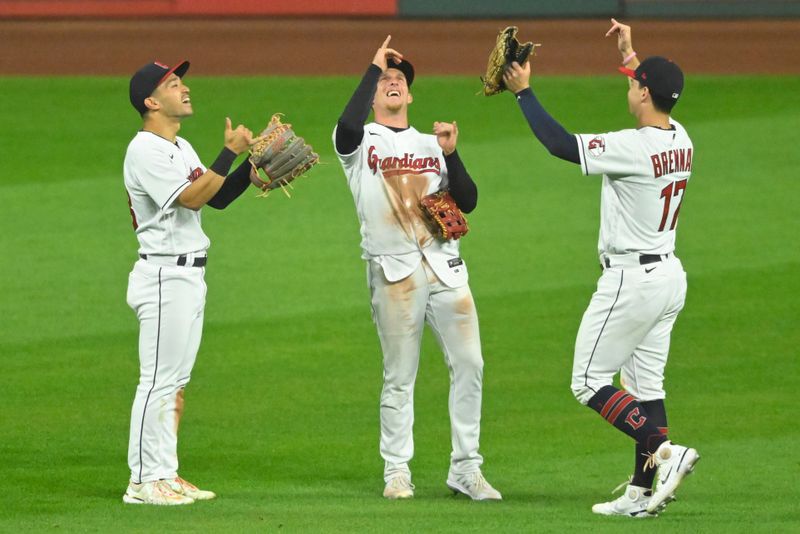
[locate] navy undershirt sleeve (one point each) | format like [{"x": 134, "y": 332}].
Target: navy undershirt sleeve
[
  {"x": 461, "y": 186},
  {"x": 350, "y": 130},
  {"x": 234, "y": 185},
  {"x": 558, "y": 141}
]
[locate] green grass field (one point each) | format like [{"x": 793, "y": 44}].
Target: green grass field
[{"x": 282, "y": 411}]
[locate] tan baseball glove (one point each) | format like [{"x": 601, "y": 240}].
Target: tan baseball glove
[
  {"x": 282, "y": 156},
  {"x": 506, "y": 50}
]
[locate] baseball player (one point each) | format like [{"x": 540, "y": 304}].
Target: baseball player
[
  {"x": 167, "y": 186},
  {"x": 413, "y": 276},
  {"x": 626, "y": 327}
]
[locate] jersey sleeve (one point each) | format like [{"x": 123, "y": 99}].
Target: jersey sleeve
[
  {"x": 160, "y": 176},
  {"x": 350, "y": 160},
  {"x": 615, "y": 154}
]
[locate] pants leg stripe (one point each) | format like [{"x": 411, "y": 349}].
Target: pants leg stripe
[
  {"x": 155, "y": 373},
  {"x": 600, "y": 334}
]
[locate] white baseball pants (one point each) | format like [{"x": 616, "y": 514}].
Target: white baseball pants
[
  {"x": 169, "y": 302},
  {"x": 627, "y": 328},
  {"x": 400, "y": 310}
]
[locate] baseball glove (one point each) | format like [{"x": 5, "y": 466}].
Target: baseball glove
[
  {"x": 444, "y": 218},
  {"x": 281, "y": 155},
  {"x": 506, "y": 50}
]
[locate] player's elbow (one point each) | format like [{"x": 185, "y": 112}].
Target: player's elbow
[
  {"x": 190, "y": 202},
  {"x": 565, "y": 148},
  {"x": 470, "y": 205}
]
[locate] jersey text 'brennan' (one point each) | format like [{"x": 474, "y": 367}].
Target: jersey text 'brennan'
[{"x": 669, "y": 161}]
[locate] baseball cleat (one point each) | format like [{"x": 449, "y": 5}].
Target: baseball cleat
[
  {"x": 674, "y": 462},
  {"x": 632, "y": 503},
  {"x": 474, "y": 486},
  {"x": 184, "y": 487},
  {"x": 157, "y": 492},
  {"x": 399, "y": 487}
]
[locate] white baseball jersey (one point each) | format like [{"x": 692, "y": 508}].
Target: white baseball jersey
[
  {"x": 645, "y": 172},
  {"x": 388, "y": 174},
  {"x": 157, "y": 171},
  {"x": 168, "y": 298}
]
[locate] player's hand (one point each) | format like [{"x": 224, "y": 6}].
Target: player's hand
[
  {"x": 517, "y": 77},
  {"x": 238, "y": 140},
  {"x": 386, "y": 54},
  {"x": 447, "y": 135},
  {"x": 623, "y": 32}
]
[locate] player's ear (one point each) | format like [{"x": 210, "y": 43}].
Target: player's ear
[
  {"x": 410, "y": 98},
  {"x": 151, "y": 103}
]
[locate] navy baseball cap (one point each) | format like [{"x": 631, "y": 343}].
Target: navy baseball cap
[
  {"x": 146, "y": 79},
  {"x": 405, "y": 67},
  {"x": 663, "y": 77}
]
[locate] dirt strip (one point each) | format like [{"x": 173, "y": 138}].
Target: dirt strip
[{"x": 285, "y": 46}]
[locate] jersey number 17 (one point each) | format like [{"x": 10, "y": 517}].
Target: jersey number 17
[{"x": 672, "y": 190}]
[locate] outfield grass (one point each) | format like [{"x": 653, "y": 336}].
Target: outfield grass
[{"x": 282, "y": 411}]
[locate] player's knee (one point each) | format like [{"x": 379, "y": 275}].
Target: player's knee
[
  {"x": 582, "y": 393},
  {"x": 471, "y": 364},
  {"x": 643, "y": 389},
  {"x": 396, "y": 397}
]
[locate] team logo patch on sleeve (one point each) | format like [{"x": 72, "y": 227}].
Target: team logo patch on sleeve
[
  {"x": 196, "y": 173},
  {"x": 597, "y": 146}
]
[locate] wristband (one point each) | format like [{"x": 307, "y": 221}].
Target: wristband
[
  {"x": 629, "y": 58},
  {"x": 223, "y": 162}
]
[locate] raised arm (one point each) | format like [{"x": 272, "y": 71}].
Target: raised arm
[
  {"x": 558, "y": 141},
  {"x": 208, "y": 185},
  {"x": 624, "y": 43},
  {"x": 461, "y": 185},
  {"x": 350, "y": 129}
]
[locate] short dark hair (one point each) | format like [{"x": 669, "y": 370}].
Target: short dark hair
[
  {"x": 662, "y": 77},
  {"x": 663, "y": 104}
]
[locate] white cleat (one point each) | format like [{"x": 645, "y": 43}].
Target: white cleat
[
  {"x": 399, "y": 487},
  {"x": 184, "y": 487},
  {"x": 474, "y": 486},
  {"x": 674, "y": 462},
  {"x": 632, "y": 503},
  {"x": 157, "y": 492}
]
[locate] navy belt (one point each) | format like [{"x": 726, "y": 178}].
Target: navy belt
[
  {"x": 644, "y": 259},
  {"x": 181, "y": 260}
]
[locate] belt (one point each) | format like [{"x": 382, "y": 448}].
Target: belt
[
  {"x": 199, "y": 261},
  {"x": 631, "y": 260}
]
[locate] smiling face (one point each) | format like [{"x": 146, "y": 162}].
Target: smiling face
[
  {"x": 392, "y": 94},
  {"x": 171, "y": 98}
]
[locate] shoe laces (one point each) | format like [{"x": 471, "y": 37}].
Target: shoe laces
[
  {"x": 477, "y": 481},
  {"x": 650, "y": 463},
  {"x": 185, "y": 484},
  {"x": 401, "y": 482},
  {"x": 623, "y": 485},
  {"x": 165, "y": 489}
]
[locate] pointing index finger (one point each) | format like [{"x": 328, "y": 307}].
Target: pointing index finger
[
  {"x": 615, "y": 27},
  {"x": 386, "y": 42}
]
